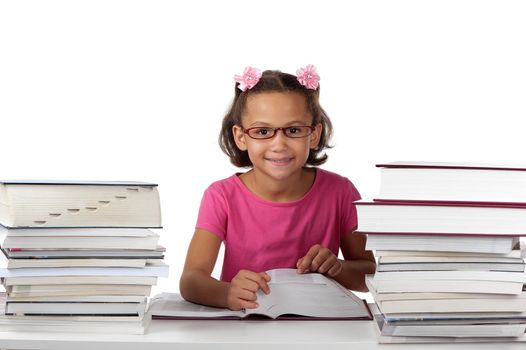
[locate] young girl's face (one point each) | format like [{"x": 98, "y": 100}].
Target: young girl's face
[{"x": 279, "y": 156}]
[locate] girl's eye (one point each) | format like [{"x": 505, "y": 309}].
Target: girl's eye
[
  {"x": 293, "y": 130},
  {"x": 262, "y": 131}
]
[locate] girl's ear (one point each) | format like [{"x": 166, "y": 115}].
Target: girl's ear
[
  {"x": 315, "y": 136},
  {"x": 239, "y": 137}
]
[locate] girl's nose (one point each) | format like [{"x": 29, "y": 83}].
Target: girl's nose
[{"x": 279, "y": 141}]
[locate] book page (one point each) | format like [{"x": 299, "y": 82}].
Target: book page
[
  {"x": 311, "y": 295},
  {"x": 172, "y": 304}
]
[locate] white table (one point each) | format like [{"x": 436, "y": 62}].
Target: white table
[{"x": 233, "y": 335}]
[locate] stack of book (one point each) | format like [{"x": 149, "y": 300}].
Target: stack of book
[
  {"x": 78, "y": 256},
  {"x": 447, "y": 241}
]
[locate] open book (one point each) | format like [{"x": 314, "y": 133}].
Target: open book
[{"x": 292, "y": 296}]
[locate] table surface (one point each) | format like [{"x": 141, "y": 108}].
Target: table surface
[{"x": 255, "y": 334}]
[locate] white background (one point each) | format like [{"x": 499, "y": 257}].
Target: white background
[{"x": 136, "y": 90}]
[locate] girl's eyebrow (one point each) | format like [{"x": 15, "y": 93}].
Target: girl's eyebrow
[{"x": 296, "y": 122}]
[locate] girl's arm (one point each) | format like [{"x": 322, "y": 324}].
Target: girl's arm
[
  {"x": 198, "y": 286},
  {"x": 358, "y": 262}
]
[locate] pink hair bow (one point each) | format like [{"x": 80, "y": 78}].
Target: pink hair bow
[
  {"x": 249, "y": 78},
  {"x": 308, "y": 77}
]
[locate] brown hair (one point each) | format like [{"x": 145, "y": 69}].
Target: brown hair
[{"x": 274, "y": 81}]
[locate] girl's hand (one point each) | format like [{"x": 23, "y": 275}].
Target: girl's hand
[
  {"x": 243, "y": 288},
  {"x": 320, "y": 259}
]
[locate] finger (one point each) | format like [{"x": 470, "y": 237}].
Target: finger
[
  {"x": 299, "y": 268},
  {"x": 264, "y": 286},
  {"x": 238, "y": 292},
  {"x": 249, "y": 285},
  {"x": 241, "y": 281},
  {"x": 298, "y": 262},
  {"x": 322, "y": 256},
  {"x": 246, "y": 295},
  {"x": 336, "y": 269},
  {"x": 259, "y": 280},
  {"x": 245, "y": 304},
  {"x": 328, "y": 264},
  {"x": 266, "y": 276},
  {"x": 307, "y": 259}
]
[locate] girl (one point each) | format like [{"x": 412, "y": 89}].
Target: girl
[{"x": 282, "y": 213}]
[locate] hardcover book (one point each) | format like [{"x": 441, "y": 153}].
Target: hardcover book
[
  {"x": 79, "y": 204},
  {"x": 448, "y": 181},
  {"x": 292, "y": 296}
]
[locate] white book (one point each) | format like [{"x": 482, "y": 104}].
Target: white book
[
  {"x": 447, "y": 286},
  {"x": 468, "y": 244},
  {"x": 66, "y": 308},
  {"x": 83, "y": 262},
  {"x": 291, "y": 294},
  {"x": 386, "y": 259},
  {"x": 469, "y": 182},
  {"x": 159, "y": 269},
  {"x": 452, "y": 305},
  {"x": 450, "y": 266},
  {"x": 504, "y": 330},
  {"x": 76, "y": 324},
  {"x": 440, "y": 218},
  {"x": 79, "y": 204},
  {"x": 514, "y": 254},
  {"x": 458, "y": 318},
  {"x": 70, "y": 318},
  {"x": 77, "y": 231},
  {"x": 78, "y": 242},
  {"x": 39, "y": 280},
  {"x": 402, "y": 303},
  {"x": 81, "y": 299},
  {"x": 452, "y": 275},
  {"x": 57, "y": 290},
  {"x": 157, "y": 253}
]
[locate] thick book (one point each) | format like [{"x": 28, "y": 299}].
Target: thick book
[
  {"x": 450, "y": 266},
  {"x": 74, "y": 308},
  {"x": 80, "y": 299},
  {"x": 451, "y": 329},
  {"x": 17, "y": 253},
  {"x": 460, "y": 182},
  {"x": 126, "y": 324},
  {"x": 412, "y": 284},
  {"x": 78, "y": 242},
  {"x": 441, "y": 243},
  {"x": 78, "y": 280},
  {"x": 75, "y": 324},
  {"x": 79, "y": 204},
  {"x": 403, "y": 303},
  {"x": 452, "y": 275},
  {"x": 159, "y": 269},
  {"x": 499, "y": 320},
  {"x": 77, "y": 232},
  {"x": 517, "y": 253},
  {"x": 70, "y": 290},
  {"x": 440, "y": 218},
  {"x": 292, "y": 296},
  {"x": 82, "y": 262}
]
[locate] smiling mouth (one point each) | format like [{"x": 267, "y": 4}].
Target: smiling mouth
[{"x": 281, "y": 161}]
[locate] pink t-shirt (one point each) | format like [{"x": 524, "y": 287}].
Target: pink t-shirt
[{"x": 260, "y": 235}]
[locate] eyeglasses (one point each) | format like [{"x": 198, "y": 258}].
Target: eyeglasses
[{"x": 295, "y": 132}]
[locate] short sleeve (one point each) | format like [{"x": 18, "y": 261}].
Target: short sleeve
[
  {"x": 349, "y": 217},
  {"x": 212, "y": 215}
]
